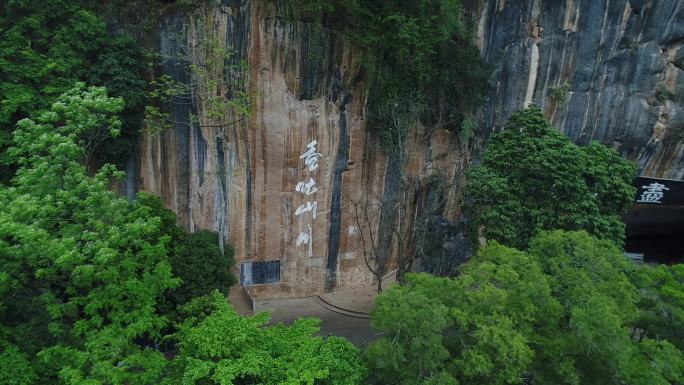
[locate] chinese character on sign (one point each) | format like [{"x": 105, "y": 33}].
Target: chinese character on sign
[
  {"x": 307, "y": 188},
  {"x": 305, "y": 239},
  {"x": 307, "y": 207},
  {"x": 311, "y": 156},
  {"x": 653, "y": 194}
]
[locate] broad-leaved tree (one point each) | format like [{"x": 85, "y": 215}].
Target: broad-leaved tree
[
  {"x": 534, "y": 178},
  {"x": 565, "y": 312}
]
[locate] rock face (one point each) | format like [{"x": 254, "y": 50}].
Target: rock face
[
  {"x": 606, "y": 70},
  {"x": 281, "y": 186}
]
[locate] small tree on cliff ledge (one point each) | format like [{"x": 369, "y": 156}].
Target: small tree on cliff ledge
[{"x": 533, "y": 178}]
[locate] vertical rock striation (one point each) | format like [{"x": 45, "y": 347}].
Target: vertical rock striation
[
  {"x": 605, "y": 70},
  {"x": 241, "y": 179}
]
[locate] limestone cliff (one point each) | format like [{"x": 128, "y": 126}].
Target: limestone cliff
[
  {"x": 242, "y": 180},
  {"x": 606, "y": 70}
]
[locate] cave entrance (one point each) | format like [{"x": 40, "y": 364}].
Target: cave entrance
[{"x": 655, "y": 224}]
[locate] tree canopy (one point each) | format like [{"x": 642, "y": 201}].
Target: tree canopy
[
  {"x": 217, "y": 346},
  {"x": 83, "y": 268},
  {"x": 565, "y": 312},
  {"x": 195, "y": 257},
  {"x": 86, "y": 277},
  {"x": 661, "y": 302},
  {"x": 533, "y": 178},
  {"x": 46, "y": 46},
  {"x": 417, "y": 55}
]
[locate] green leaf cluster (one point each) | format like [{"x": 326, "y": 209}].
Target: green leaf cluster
[
  {"x": 48, "y": 45},
  {"x": 559, "y": 94},
  {"x": 217, "y": 346},
  {"x": 661, "y": 302},
  {"x": 195, "y": 258},
  {"x": 217, "y": 86},
  {"x": 533, "y": 178},
  {"x": 564, "y": 312},
  {"x": 83, "y": 269},
  {"x": 419, "y": 51}
]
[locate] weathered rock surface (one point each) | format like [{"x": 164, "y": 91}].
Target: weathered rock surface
[
  {"x": 240, "y": 180},
  {"x": 620, "y": 61}
]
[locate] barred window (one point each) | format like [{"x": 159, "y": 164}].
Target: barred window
[{"x": 256, "y": 273}]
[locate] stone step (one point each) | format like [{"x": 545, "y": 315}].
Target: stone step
[{"x": 241, "y": 301}]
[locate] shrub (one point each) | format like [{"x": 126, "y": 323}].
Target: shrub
[
  {"x": 201, "y": 265},
  {"x": 195, "y": 257},
  {"x": 48, "y": 46},
  {"x": 217, "y": 346},
  {"x": 534, "y": 178},
  {"x": 559, "y": 95},
  {"x": 565, "y": 312}
]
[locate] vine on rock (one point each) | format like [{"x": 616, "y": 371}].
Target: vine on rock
[
  {"x": 217, "y": 86},
  {"x": 418, "y": 51}
]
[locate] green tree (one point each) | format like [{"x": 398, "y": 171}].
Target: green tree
[
  {"x": 21, "y": 372},
  {"x": 217, "y": 346},
  {"x": 202, "y": 266},
  {"x": 195, "y": 257},
  {"x": 533, "y": 178},
  {"x": 661, "y": 302},
  {"x": 565, "y": 312},
  {"x": 471, "y": 330},
  {"x": 48, "y": 45},
  {"x": 82, "y": 268},
  {"x": 212, "y": 67},
  {"x": 420, "y": 52},
  {"x": 120, "y": 66}
]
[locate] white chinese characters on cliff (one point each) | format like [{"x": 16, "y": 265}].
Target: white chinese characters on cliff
[
  {"x": 653, "y": 193},
  {"x": 307, "y": 211}
]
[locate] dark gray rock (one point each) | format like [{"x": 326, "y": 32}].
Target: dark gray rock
[
  {"x": 620, "y": 60},
  {"x": 447, "y": 248}
]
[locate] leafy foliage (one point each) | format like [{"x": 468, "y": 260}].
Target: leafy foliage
[
  {"x": 417, "y": 51},
  {"x": 218, "y": 84},
  {"x": 661, "y": 301},
  {"x": 559, "y": 94},
  {"x": 562, "y": 313},
  {"x": 48, "y": 45},
  {"x": 468, "y": 129},
  {"x": 195, "y": 258},
  {"x": 423, "y": 54},
  {"x": 83, "y": 268},
  {"x": 533, "y": 178},
  {"x": 120, "y": 67},
  {"x": 202, "y": 266},
  {"x": 217, "y": 346},
  {"x": 21, "y": 372}
]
